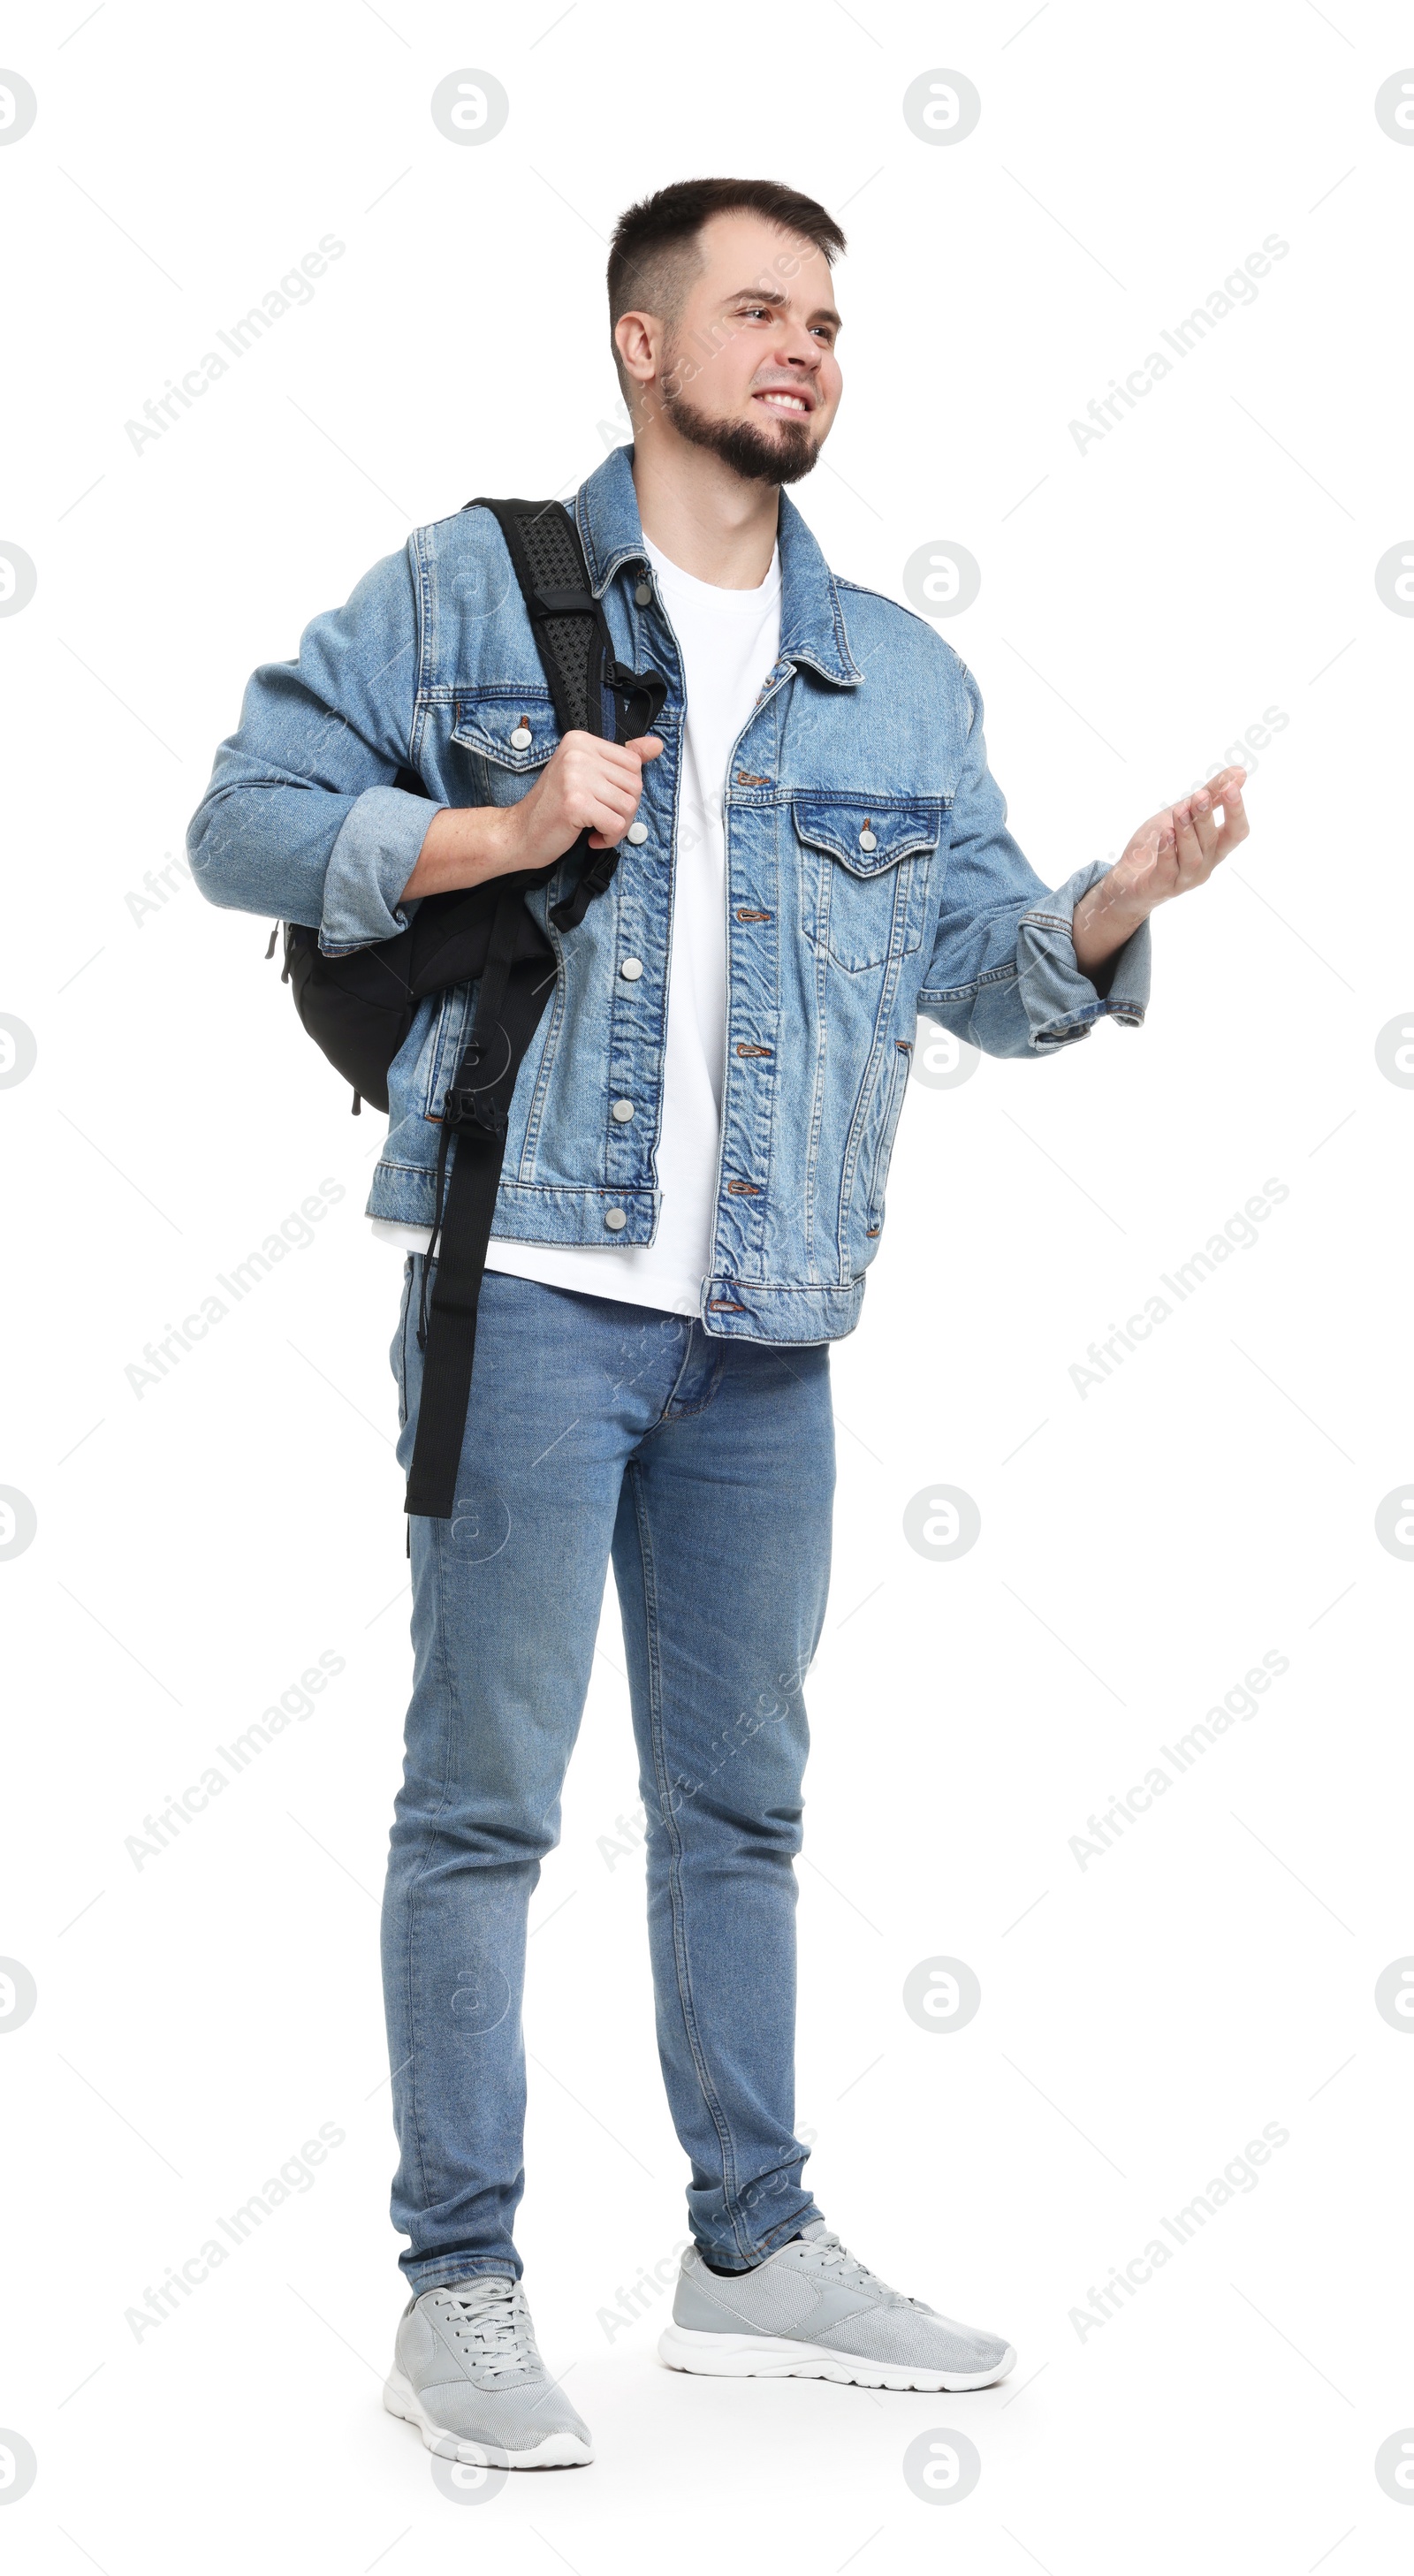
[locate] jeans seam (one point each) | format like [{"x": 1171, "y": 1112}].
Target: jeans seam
[
  {"x": 415, "y": 1878},
  {"x": 684, "y": 1976},
  {"x": 409, "y": 1281}
]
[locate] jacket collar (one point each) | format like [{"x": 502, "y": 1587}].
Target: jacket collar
[{"x": 812, "y": 618}]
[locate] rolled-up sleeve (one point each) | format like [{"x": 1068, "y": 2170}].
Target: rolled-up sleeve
[
  {"x": 303, "y": 819},
  {"x": 1003, "y": 972}
]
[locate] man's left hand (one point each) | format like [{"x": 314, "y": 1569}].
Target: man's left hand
[{"x": 1170, "y": 853}]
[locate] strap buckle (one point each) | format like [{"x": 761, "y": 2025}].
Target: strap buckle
[
  {"x": 466, "y": 1109},
  {"x": 638, "y": 698}
]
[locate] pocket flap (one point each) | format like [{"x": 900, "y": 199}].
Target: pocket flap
[
  {"x": 865, "y": 835},
  {"x": 486, "y": 721}
]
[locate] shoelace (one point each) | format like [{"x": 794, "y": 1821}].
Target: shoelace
[
  {"x": 491, "y": 2315},
  {"x": 857, "y": 2274}
]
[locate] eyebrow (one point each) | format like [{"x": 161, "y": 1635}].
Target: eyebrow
[{"x": 773, "y": 295}]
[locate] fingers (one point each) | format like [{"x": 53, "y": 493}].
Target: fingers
[
  {"x": 1181, "y": 846},
  {"x": 1193, "y": 862},
  {"x": 1235, "y": 824},
  {"x": 594, "y": 786},
  {"x": 1201, "y": 844},
  {"x": 592, "y": 775},
  {"x": 608, "y": 811},
  {"x": 606, "y": 807},
  {"x": 1225, "y": 790},
  {"x": 1203, "y": 818},
  {"x": 1216, "y": 840},
  {"x": 1225, "y": 778},
  {"x": 622, "y": 761},
  {"x": 609, "y": 783},
  {"x": 605, "y": 824},
  {"x": 629, "y": 758}
]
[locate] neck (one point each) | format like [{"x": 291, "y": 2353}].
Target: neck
[{"x": 707, "y": 519}]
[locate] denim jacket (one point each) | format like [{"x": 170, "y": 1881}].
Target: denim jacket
[{"x": 870, "y": 877}]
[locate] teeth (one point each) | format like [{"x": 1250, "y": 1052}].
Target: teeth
[{"x": 785, "y": 402}]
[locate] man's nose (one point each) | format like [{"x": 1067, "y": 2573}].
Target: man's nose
[{"x": 799, "y": 352}]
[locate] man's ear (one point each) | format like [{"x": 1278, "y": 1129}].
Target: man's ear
[{"x": 633, "y": 338}]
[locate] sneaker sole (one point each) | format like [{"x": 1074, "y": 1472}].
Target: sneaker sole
[
  {"x": 556, "y": 2451},
  {"x": 730, "y": 2356}
]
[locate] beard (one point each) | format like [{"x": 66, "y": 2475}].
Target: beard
[{"x": 753, "y": 453}]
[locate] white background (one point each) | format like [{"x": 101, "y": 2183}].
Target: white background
[{"x": 1142, "y": 604}]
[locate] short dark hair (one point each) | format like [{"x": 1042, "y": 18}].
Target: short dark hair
[{"x": 651, "y": 254}]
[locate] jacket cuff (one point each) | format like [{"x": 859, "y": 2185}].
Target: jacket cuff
[
  {"x": 1060, "y": 1000},
  {"x": 370, "y": 863}
]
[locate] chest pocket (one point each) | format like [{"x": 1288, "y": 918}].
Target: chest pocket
[
  {"x": 490, "y": 724},
  {"x": 864, "y": 875}
]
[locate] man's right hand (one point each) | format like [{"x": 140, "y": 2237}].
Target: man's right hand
[{"x": 586, "y": 783}]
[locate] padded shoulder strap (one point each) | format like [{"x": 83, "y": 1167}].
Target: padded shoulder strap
[
  {"x": 592, "y": 692},
  {"x": 568, "y": 622}
]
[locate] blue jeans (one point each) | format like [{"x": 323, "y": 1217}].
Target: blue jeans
[{"x": 705, "y": 1470}]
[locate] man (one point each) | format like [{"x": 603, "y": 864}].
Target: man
[{"x": 812, "y": 852}]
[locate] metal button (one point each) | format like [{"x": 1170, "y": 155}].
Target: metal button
[
  {"x": 615, "y": 1220},
  {"x": 520, "y": 739},
  {"x": 622, "y": 1110},
  {"x": 631, "y": 969},
  {"x": 642, "y": 595},
  {"x": 637, "y": 833},
  {"x": 868, "y": 840}
]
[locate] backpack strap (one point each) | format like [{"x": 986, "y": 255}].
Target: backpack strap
[
  {"x": 510, "y": 1002},
  {"x": 570, "y": 629},
  {"x": 592, "y": 693}
]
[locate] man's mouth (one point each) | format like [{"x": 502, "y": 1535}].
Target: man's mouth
[{"x": 784, "y": 398}]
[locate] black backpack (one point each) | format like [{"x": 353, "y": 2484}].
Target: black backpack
[{"x": 359, "y": 1008}]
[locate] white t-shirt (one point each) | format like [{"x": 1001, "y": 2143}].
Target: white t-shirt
[{"x": 729, "y": 640}]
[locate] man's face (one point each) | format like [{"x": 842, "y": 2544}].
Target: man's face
[{"x": 750, "y": 369}]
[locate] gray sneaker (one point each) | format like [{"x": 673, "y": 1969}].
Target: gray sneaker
[
  {"x": 811, "y": 2311},
  {"x": 466, "y": 2371}
]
